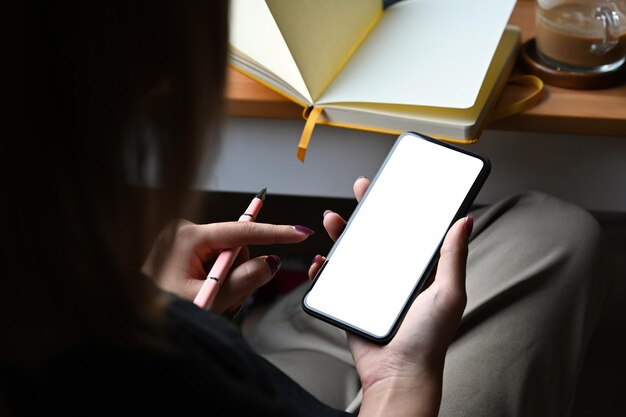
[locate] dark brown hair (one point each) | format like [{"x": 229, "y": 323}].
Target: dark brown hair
[{"x": 117, "y": 96}]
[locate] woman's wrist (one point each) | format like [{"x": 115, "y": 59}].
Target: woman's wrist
[{"x": 418, "y": 395}]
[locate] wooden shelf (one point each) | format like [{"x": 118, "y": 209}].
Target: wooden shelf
[{"x": 588, "y": 112}]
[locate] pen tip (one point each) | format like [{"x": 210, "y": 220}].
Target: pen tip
[{"x": 261, "y": 194}]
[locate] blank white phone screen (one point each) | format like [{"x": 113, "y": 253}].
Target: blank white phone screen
[{"x": 378, "y": 261}]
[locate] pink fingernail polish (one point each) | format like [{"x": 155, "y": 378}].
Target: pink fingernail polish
[
  {"x": 469, "y": 225},
  {"x": 273, "y": 262},
  {"x": 304, "y": 229}
]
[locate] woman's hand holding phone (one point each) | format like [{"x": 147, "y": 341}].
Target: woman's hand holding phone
[{"x": 407, "y": 372}]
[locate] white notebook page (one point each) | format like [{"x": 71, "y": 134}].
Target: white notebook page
[{"x": 425, "y": 52}]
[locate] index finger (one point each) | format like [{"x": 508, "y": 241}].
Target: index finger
[{"x": 233, "y": 234}]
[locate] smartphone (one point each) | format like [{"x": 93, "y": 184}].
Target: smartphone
[{"x": 391, "y": 242}]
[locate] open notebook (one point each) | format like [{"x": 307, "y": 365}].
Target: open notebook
[{"x": 432, "y": 66}]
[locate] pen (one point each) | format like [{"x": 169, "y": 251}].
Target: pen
[{"x": 225, "y": 260}]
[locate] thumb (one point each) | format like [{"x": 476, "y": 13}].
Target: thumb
[{"x": 452, "y": 263}]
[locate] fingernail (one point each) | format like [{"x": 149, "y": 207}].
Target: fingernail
[
  {"x": 317, "y": 259},
  {"x": 327, "y": 212},
  {"x": 273, "y": 262},
  {"x": 360, "y": 176},
  {"x": 469, "y": 225},
  {"x": 304, "y": 229}
]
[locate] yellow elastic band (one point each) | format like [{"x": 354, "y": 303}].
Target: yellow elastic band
[
  {"x": 311, "y": 120},
  {"x": 525, "y": 103}
]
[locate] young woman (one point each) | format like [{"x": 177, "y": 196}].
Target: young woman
[{"x": 117, "y": 94}]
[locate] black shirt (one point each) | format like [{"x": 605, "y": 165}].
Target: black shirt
[{"x": 209, "y": 370}]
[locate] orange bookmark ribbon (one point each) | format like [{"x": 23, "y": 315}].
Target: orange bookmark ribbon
[{"x": 311, "y": 120}]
